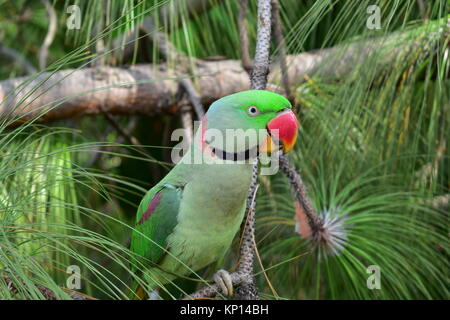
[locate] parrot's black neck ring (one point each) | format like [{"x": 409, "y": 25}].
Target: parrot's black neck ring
[{"x": 236, "y": 156}]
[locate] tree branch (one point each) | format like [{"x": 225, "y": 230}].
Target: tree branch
[
  {"x": 247, "y": 289},
  {"x": 300, "y": 193},
  {"x": 150, "y": 89},
  {"x": 261, "y": 69}
]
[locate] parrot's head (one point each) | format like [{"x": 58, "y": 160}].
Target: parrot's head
[{"x": 261, "y": 120}]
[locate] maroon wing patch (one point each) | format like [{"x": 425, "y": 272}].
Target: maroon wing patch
[{"x": 151, "y": 208}]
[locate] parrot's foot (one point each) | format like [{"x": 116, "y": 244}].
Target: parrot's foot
[{"x": 223, "y": 279}]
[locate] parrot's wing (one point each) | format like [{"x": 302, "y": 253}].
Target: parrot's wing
[{"x": 156, "y": 219}]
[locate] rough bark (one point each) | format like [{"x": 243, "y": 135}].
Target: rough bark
[
  {"x": 141, "y": 89},
  {"x": 150, "y": 89},
  {"x": 247, "y": 290},
  {"x": 261, "y": 61}
]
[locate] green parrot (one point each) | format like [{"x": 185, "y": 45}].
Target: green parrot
[{"x": 189, "y": 219}]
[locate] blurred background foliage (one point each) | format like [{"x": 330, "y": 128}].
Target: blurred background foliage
[{"x": 373, "y": 147}]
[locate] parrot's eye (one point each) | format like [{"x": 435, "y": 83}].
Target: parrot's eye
[{"x": 252, "y": 111}]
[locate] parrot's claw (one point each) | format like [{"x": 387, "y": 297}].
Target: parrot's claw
[{"x": 223, "y": 279}]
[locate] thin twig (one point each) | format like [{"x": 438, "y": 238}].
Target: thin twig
[
  {"x": 43, "y": 51},
  {"x": 193, "y": 96},
  {"x": 422, "y": 9},
  {"x": 99, "y": 46},
  {"x": 98, "y": 151},
  {"x": 171, "y": 11},
  {"x": 128, "y": 137},
  {"x": 269, "y": 283},
  {"x": 17, "y": 58},
  {"x": 329, "y": 232},
  {"x": 300, "y": 192},
  {"x": 186, "y": 120},
  {"x": 169, "y": 52},
  {"x": 243, "y": 37},
  {"x": 46, "y": 292},
  {"x": 154, "y": 165},
  {"x": 279, "y": 42}
]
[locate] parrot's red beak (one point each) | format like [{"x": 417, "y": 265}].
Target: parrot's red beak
[{"x": 284, "y": 129}]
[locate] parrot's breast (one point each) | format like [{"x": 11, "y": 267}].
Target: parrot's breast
[{"x": 211, "y": 212}]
